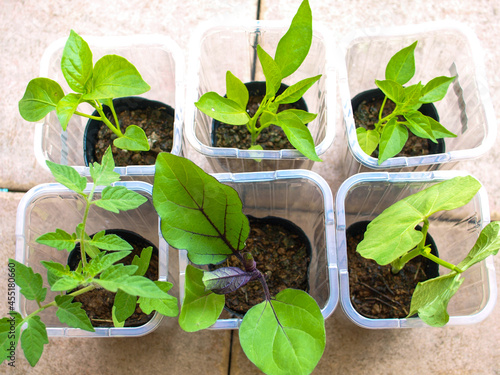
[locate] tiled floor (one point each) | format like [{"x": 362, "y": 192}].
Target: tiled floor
[{"x": 27, "y": 27}]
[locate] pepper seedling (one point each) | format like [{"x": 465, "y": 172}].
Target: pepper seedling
[
  {"x": 111, "y": 77},
  {"x": 102, "y": 270},
  {"x": 392, "y": 238},
  {"x": 291, "y": 51},
  {"x": 391, "y": 132},
  {"x": 285, "y": 333}
]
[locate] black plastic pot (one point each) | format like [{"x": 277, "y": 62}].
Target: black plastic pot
[
  {"x": 120, "y": 104},
  {"x": 427, "y": 109}
]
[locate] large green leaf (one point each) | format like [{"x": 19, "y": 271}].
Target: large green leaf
[
  {"x": 197, "y": 212},
  {"x": 33, "y": 338},
  {"x": 436, "y": 89},
  {"x": 68, "y": 177},
  {"x": 72, "y": 314},
  {"x": 392, "y": 140},
  {"x": 271, "y": 71},
  {"x": 236, "y": 90},
  {"x": 76, "y": 63},
  {"x": 401, "y": 66},
  {"x": 165, "y": 306},
  {"x": 40, "y": 98},
  {"x": 297, "y": 90},
  {"x": 419, "y": 125},
  {"x": 66, "y": 107},
  {"x": 30, "y": 283},
  {"x": 297, "y": 133},
  {"x": 134, "y": 139},
  {"x": 222, "y": 109},
  {"x": 119, "y": 198},
  {"x": 290, "y": 340},
  {"x": 487, "y": 244},
  {"x": 439, "y": 130},
  {"x": 392, "y": 89},
  {"x": 124, "y": 305}
]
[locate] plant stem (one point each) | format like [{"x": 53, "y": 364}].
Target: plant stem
[
  {"x": 398, "y": 264},
  {"x": 442, "y": 262},
  {"x": 88, "y": 116},
  {"x": 114, "y": 129},
  {"x": 88, "y": 200}
]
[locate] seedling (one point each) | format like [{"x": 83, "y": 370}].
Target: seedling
[
  {"x": 111, "y": 77},
  {"x": 101, "y": 271},
  {"x": 391, "y": 238},
  {"x": 391, "y": 132},
  {"x": 291, "y": 51},
  {"x": 285, "y": 334}
]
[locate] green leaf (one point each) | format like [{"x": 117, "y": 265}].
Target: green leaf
[
  {"x": 436, "y": 89},
  {"x": 68, "y": 177},
  {"x": 66, "y": 108},
  {"x": 294, "y": 46},
  {"x": 430, "y": 299},
  {"x": 142, "y": 262},
  {"x": 392, "y": 234},
  {"x": 201, "y": 308},
  {"x": 10, "y": 329},
  {"x": 59, "y": 239},
  {"x": 439, "y": 130},
  {"x": 164, "y": 306},
  {"x": 392, "y": 90},
  {"x": 33, "y": 338},
  {"x": 72, "y": 314},
  {"x": 268, "y": 118},
  {"x": 76, "y": 63},
  {"x": 68, "y": 282},
  {"x": 30, "y": 283},
  {"x": 368, "y": 139},
  {"x": 103, "y": 174},
  {"x": 292, "y": 342},
  {"x": 304, "y": 116},
  {"x": 487, "y": 244},
  {"x": 411, "y": 97},
  {"x": 103, "y": 261},
  {"x": 296, "y": 91},
  {"x": 40, "y": 98},
  {"x": 401, "y": 66},
  {"x": 419, "y": 125},
  {"x": 236, "y": 90},
  {"x": 392, "y": 140},
  {"x": 110, "y": 242},
  {"x": 124, "y": 305},
  {"x": 115, "y": 77},
  {"x": 116, "y": 198},
  {"x": 116, "y": 322},
  {"x": 134, "y": 139},
  {"x": 222, "y": 109},
  {"x": 271, "y": 71},
  {"x": 57, "y": 269},
  {"x": 298, "y": 134},
  {"x": 197, "y": 212}
]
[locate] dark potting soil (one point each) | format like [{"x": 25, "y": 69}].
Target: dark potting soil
[
  {"x": 98, "y": 303},
  {"x": 158, "y": 125},
  {"x": 281, "y": 255},
  {"x": 374, "y": 290}
]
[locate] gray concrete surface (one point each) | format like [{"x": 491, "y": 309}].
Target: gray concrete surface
[{"x": 28, "y": 27}]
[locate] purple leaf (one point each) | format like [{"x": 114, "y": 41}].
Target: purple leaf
[{"x": 226, "y": 279}]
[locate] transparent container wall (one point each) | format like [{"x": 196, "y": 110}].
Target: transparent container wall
[
  {"x": 444, "y": 49},
  {"x": 217, "y": 49},
  {"x": 306, "y": 201},
  {"x": 364, "y": 196},
  {"x": 160, "y": 63},
  {"x": 51, "y": 206}
]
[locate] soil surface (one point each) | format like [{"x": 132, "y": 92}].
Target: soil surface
[
  {"x": 374, "y": 290},
  {"x": 280, "y": 253}
]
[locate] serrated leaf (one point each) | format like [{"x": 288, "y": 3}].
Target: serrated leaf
[
  {"x": 271, "y": 71},
  {"x": 436, "y": 89},
  {"x": 57, "y": 269},
  {"x": 76, "y": 63},
  {"x": 401, "y": 66},
  {"x": 134, "y": 139},
  {"x": 392, "y": 140},
  {"x": 439, "y": 130},
  {"x": 225, "y": 279},
  {"x": 290, "y": 342},
  {"x": 68, "y": 282},
  {"x": 112, "y": 277},
  {"x": 298, "y": 134},
  {"x": 392, "y": 90},
  {"x": 39, "y": 99},
  {"x": 419, "y": 125},
  {"x": 103, "y": 261},
  {"x": 119, "y": 198},
  {"x": 110, "y": 242},
  {"x": 296, "y": 91},
  {"x": 66, "y": 108},
  {"x": 72, "y": 314},
  {"x": 142, "y": 261},
  {"x": 33, "y": 338},
  {"x": 487, "y": 244},
  {"x": 124, "y": 305},
  {"x": 368, "y": 139},
  {"x": 165, "y": 306},
  {"x": 200, "y": 308},
  {"x": 236, "y": 90},
  {"x": 10, "y": 329},
  {"x": 103, "y": 174},
  {"x": 29, "y": 282},
  {"x": 59, "y": 239},
  {"x": 222, "y": 109},
  {"x": 197, "y": 212},
  {"x": 68, "y": 177}
]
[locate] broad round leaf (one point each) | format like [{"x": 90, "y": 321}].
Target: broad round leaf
[
  {"x": 222, "y": 109},
  {"x": 40, "y": 98},
  {"x": 76, "y": 63},
  {"x": 134, "y": 139}
]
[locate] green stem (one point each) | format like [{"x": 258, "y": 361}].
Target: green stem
[
  {"x": 114, "y": 129},
  {"x": 252, "y": 124},
  {"x": 441, "y": 262},
  {"x": 88, "y": 200},
  {"x": 88, "y": 116},
  {"x": 398, "y": 264}
]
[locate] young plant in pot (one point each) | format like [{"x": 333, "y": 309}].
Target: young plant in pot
[
  {"x": 105, "y": 262},
  {"x": 394, "y": 239},
  {"x": 272, "y": 105},
  {"x": 383, "y": 116},
  {"x": 108, "y": 87},
  {"x": 283, "y": 334}
]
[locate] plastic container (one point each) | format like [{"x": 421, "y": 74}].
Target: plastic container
[
  {"x": 49, "y": 206},
  {"x": 304, "y": 198},
  {"x": 215, "y": 49},
  {"x": 364, "y": 196},
  {"x": 444, "y": 48},
  {"x": 161, "y": 64}
]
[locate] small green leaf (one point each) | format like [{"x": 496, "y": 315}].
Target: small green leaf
[
  {"x": 368, "y": 139},
  {"x": 68, "y": 177},
  {"x": 439, "y": 130},
  {"x": 30, "y": 283},
  {"x": 298, "y": 134},
  {"x": 103, "y": 174},
  {"x": 76, "y": 63},
  {"x": 57, "y": 269},
  {"x": 40, "y": 98},
  {"x": 411, "y": 97},
  {"x": 113, "y": 276},
  {"x": 401, "y": 66},
  {"x": 68, "y": 282},
  {"x": 66, "y": 107},
  {"x": 294, "y": 46},
  {"x": 103, "y": 261},
  {"x": 392, "y": 90},
  {"x": 236, "y": 90},
  {"x": 59, "y": 239},
  {"x": 72, "y": 314},
  {"x": 419, "y": 125},
  {"x": 116, "y": 322},
  {"x": 222, "y": 109},
  {"x": 142, "y": 262},
  {"x": 268, "y": 118},
  {"x": 392, "y": 140},
  {"x": 290, "y": 342},
  {"x": 33, "y": 338},
  {"x": 271, "y": 71},
  {"x": 134, "y": 139},
  {"x": 296, "y": 91},
  {"x": 164, "y": 306},
  {"x": 200, "y": 308},
  {"x": 119, "y": 198},
  {"x": 110, "y": 242},
  {"x": 436, "y": 89},
  {"x": 305, "y": 117},
  {"x": 430, "y": 299},
  {"x": 487, "y": 244},
  {"x": 124, "y": 305}
]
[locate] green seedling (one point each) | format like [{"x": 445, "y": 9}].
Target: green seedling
[
  {"x": 391, "y": 132},
  {"x": 392, "y": 238},
  {"x": 291, "y": 51},
  {"x": 111, "y": 77},
  {"x": 102, "y": 270},
  {"x": 285, "y": 334}
]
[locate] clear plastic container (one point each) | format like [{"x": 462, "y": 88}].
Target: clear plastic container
[
  {"x": 49, "y": 206},
  {"x": 215, "y": 49},
  {"x": 161, "y": 64},
  {"x": 364, "y": 196},
  {"x": 443, "y": 49},
  {"x": 304, "y": 198}
]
